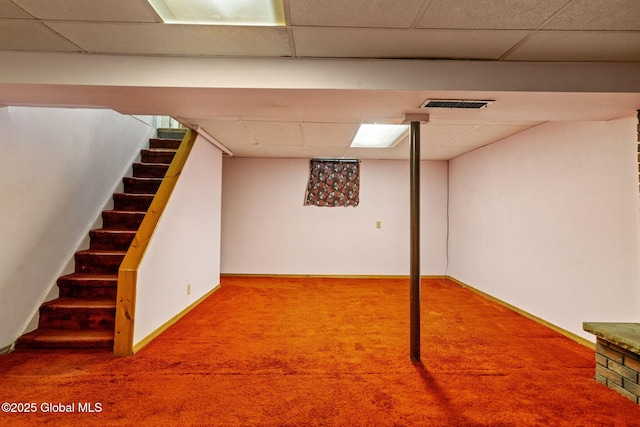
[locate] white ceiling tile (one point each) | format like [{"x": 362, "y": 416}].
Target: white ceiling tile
[
  {"x": 230, "y": 133},
  {"x": 377, "y": 43},
  {"x": 355, "y": 13},
  {"x": 276, "y": 133},
  {"x": 255, "y": 118},
  {"x": 525, "y": 123},
  {"x": 488, "y": 14},
  {"x": 248, "y": 151},
  {"x": 377, "y": 153},
  {"x": 448, "y": 121},
  {"x": 598, "y": 15},
  {"x": 445, "y": 153},
  {"x": 432, "y": 135},
  {"x": 329, "y": 134},
  {"x": 276, "y": 123},
  {"x": 326, "y": 152},
  {"x": 91, "y": 10},
  {"x": 10, "y": 10},
  {"x": 165, "y": 39},
  {"x": 286, "y": 151},
  {"x": 486, "y": 134},
  {"x": 579, "y": 46},
  {"x": 30, "y": 35}
]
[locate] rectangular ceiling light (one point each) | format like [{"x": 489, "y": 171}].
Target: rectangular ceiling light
[
  {"x": 379, "y": 135},
  {"x": 221, "y": 12}
]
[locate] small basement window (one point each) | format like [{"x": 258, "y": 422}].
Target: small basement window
[{"x": 333, "y": 183}]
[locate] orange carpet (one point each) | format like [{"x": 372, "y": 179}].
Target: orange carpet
[{"x": 324, "y": 352}]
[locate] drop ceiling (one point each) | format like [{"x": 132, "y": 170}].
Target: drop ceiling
[{"x": 263, "y": 108}]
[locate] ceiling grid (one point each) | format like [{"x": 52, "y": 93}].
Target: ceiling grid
[{"x": 259, "y": 123}]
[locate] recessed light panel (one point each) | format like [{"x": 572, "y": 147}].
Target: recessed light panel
[
  {"x": 379, "y": 135},
  {"x": 221, "y": 12}
]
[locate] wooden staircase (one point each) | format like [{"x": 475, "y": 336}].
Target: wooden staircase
[{"x": 83, "y": 316}]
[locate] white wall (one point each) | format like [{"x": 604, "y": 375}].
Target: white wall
[
  {"x": 185, "y": 247},
  {"x": 59, "y": 168},
  {"x": 547, "y": 221},
  {"x": 267, "y": 230}
]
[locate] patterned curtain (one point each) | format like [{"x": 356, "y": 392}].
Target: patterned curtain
[{"x": 333, "y": 183}]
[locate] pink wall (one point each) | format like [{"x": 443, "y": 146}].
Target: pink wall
[
  {"x": 60, "y": 168},
  {"x": 267, "y": 230},
  {"x": 547, "y": 221},
  {"x": 182, "y": 262}
]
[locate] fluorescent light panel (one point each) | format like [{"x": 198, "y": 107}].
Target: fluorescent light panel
[
  {"x": 221, "y": 12},
  {"x": 379, "y": 135}
]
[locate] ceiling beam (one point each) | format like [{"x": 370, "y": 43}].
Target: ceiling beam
[{"x": 295, "y": 73}]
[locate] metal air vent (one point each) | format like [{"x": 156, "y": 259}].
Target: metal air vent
[{"x": 454, "y": 103}]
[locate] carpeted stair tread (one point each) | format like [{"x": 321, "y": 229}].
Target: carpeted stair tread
[
  {"x": 88, "y": 286},
  {"x": 150, "y": 170},
  {"x": 158, "y": 150},
  {"x": 98, "y": 261},
  {"x": 88, "y": 280},
  {"x": 124, "y": 195},
  {"x": 157, "y": 156},
  {"x": 102, "y": 252},
  {"x": 141, "y": 179},
  {"x": 92, "y": 278},
  {"x": 111, "y": 238},
  {"x": 122, "y": 220},
  {"x": 80, "y": 303},
  {"x": 113, "y": 231},
  {"x": 78, "y": 314},
  {"x": 132, "y": 202},
  {"x": 136, "y": 185},
  {"x": 130, "y": 195},
  {"x": 164, "y": 143},
  {"x": 124, "y": 212},
  {"x": 58, "y": 338}
]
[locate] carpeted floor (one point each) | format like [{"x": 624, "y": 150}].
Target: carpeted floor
[{"x": 325, "y": 352}]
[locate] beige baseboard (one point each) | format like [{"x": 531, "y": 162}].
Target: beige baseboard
[{"x": 329, "y": 276}]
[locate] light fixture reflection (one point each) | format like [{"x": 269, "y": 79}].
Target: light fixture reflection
[
  {"x": 379, "y": 135},
  {"x": 221, "y": 12}
]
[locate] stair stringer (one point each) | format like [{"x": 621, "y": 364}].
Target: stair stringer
[{"x": 128, "y": 271}]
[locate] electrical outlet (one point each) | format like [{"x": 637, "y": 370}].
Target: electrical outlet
[{"x": 189, "y": 289}]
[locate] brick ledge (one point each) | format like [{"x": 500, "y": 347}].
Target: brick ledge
[{"x": 625, "y": 335}]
